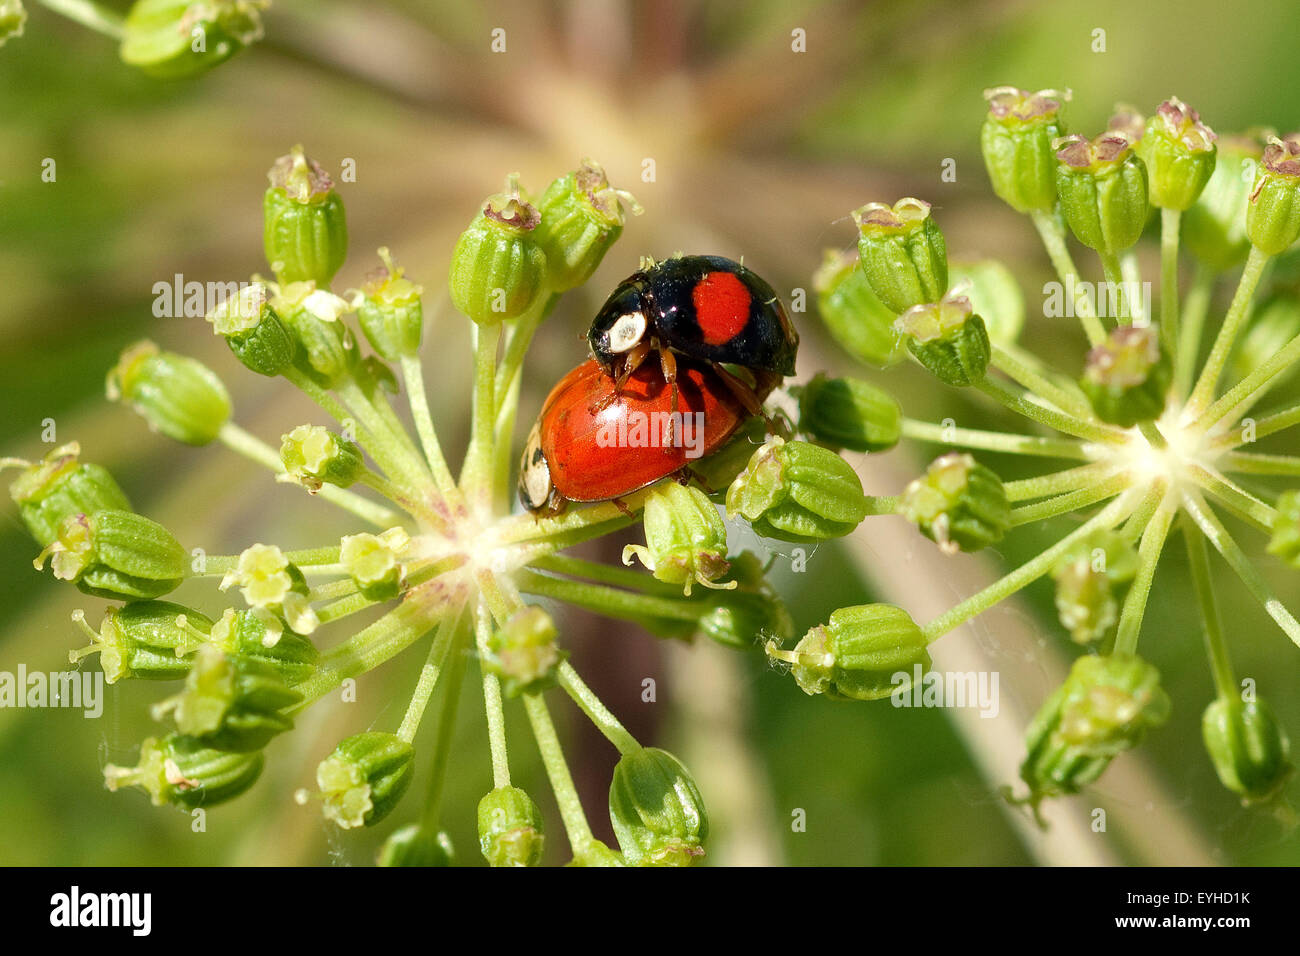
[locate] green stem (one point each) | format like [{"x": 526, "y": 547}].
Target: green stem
[
  {"x": 1236, "y": 499},
  {"x": 305, "y": 558},
  {"x": 1110, "y": 268},
  {"x": 1191, "y": 324},
  {"x": 1251, "y": 388},
  {"x": 1170, "y": 220},
  {"x": 1059, "y": 421},
  {"x": 597, "y": 712},
  {"x": 1030, "y": 571},
  {"x": 1135, "y": 602},
  {"x": 611, "y": 602},
  {"x": 1248, "y": 463},
  {"x": 1203, "y": 393},
  {"x": 1040, "y": 486},
  {"x": 1018, "y": 371},
  {"x": 1052, "y": 231},
  {"x": 94, "y": 16},
  {"x": 1198, "y": 557},
  {"x": 475, "y": 475},
  {"x": 433, "y": 667},
  {"x": 455, "y": 670},
  {"x": 250, "y": 446},
  {"x": 1073, "y": 501},
  {"x": 496, "y": 717},
  {"x": 390, "y": 448},
  {"x": 1213, "y": 529},
  {"x": 1132, "y": 275},
  {"x": 557, "y": 769},
  {"x": 606, "y": 574},
  {"x": 994, "y": 441},
  {"x": 413, "y": 376},
  {"x": 1275, "y": 422}
]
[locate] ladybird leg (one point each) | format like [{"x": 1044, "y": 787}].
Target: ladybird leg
[
  {"x": 622, "y": 506},
  {"x": 668, "y": 364},
  {"x": 687, "y": 475},
  {"x": 631, "y": 362},
  {"x": 744, "y": 394}
]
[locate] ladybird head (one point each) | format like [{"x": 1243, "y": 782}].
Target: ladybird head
[{"x": 622, "y": 323}]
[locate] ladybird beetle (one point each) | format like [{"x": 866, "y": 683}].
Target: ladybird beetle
[
  {"x": 592, "y": 442},
  {"x": 705, "y": 308}
]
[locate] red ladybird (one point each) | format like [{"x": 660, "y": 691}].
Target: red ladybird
[
  {"x": 704, "y": 308},
  {"x": 593, "y": 442}
]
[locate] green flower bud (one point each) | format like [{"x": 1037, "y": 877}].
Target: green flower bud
[
  {"x": 849, "y": 413},
  {"x": 1104, "y": 707},
  {"x": 582, "y": 218},
  {"x": 524, "y": 654},
  {"x": 373, "y": 562},
  {"x": 413, "y": 845},
  {"x": 12, "y": 20},
  {"x": 1214, "y": 229},
  {"x": 686, "y": 540},
  {"x": 247, "y": 636},
  {"x": 1179, "y": 153},
  {"x": 178, "y": 396},
  {"x": 326, "y": 351},
  {"x": 995, "y": 297},
  {"x": 1285, "y": 542},
  {"x": 363, "y": 779},
  {"x": 1273, "y": 214},
  {"x": 254, "y": 332},
  {"x": 143, "y": 639},
  {"x": 273, "y": 587},
  {"x": 856, "y": 318},
  {"x": 902, "y": 253},
  {"x": 229, "y": 702},
  {"x": 510, "y": 828},
  {"x": 116, "y": 554},
  {"x": 182, "y": 771},
  {"x": 1248, "y": 747},
  {"x": 171, "y": 39},
  {"x": 1089, "y": 585},
  {"x": 754, "y": 610},
  {"x": 862, "y": 653},
  {"x": 305, "y": 232},
  {"x": 50, "y": 491},
  {"x": 1272, "y": 325},
  {"x": 498, "y": 269},
  {"x": 794, "y": 491},
  {"x": 313, "y": 456},
  {"x": 656, "y": 809},
  {"x": 958, "y": 504},
  {"x": 1126, "y": 378},
  {"x": 1016, "y": 141},
  {"x": 390, "y": 312},
  {"x": 948, "y": 339},
  {"x": 1102, "y": 186}
]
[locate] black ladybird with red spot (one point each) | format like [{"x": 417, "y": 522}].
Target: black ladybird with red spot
[{"x": 706, "y": 308}]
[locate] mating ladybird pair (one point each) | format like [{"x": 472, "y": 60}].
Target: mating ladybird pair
[{"x": 696, "y": 342}]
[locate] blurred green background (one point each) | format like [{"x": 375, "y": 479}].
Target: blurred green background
[{"x": 759, "y": 151}]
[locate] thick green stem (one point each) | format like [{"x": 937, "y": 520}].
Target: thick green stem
[
  {"x": 1040, "y": 486},
  {"x": 1190, "y": 326},
  {"x": 1170, "y": 220},
  {"x": 597, "y": 712},
  {"x": 1114, "y": 274},
  {"x": 1253, "y": 387},
  {"x": 1235, "y": 498},
  {"x": 1052, "y": 231},
  {"x": 1050, "y": 417},
  {"x": 1198, "y": 558},
  {"x": 496, "y": 716},
  {"x": 389, "y": 446},
  {"x": 1203, "y": 393},
  {"x": 557, "y": 770},
  {"x": 476, "y": 475},
  {"x": 994, "y": 441},
  {"x": 1135, "y": 602},
  {"x": 1073, "y": 501},
  {"x": 455, "y": 675},
  {"x": 1073, "y": 403},
  {"x": 433, "y": 668},
  {"x": 1270, "y": 424},
  {"x": 1248, "y": 463},
  {"x": 1132, "y": 273},
  {"x": 413, "y": 375},
  {"x": 611, "y": 602}
]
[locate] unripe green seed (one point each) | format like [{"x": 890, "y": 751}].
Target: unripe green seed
[
  {"x": 1089, "y": 584},
  {"x": 178, "y": 396},
  {"x": 1214, "y": 229},
  {"x": 50, "y": 491},
  {"x": 1102, "y": 187},
  {"x": 274, "y": 588},
  {"x": 948, "y": 339},
  {"x": 254, "y": 332},
  {"x": 182, "y": 771},
  {"x": 1126, "y": 378},
  {"x": 1248, "y": 747},
  {"x": 862, "y": 653},
  {"x": 313, "y": 456},
  {"x": 143, "y": 640},
  {"x": 958, "y": 504},
  {"x": 510, "y": 828},
  {"x": 1285, "y": 541},
  {"x": 364, "y": 778},
  {"x": 581, "y": 219},
  {"x": 849, "y": 413},
  {"x": 246, "y": 635},
  {"x": 305, "y": 232},
  {"x": 686, "y": 540},
  {"x": 1016, "y": 141},
  {"x": 994, "y": 295},
  {"x": 902, "y": 253},
  {"x": 524, "y": 653},
  {"x": 171, "y": 39},
  {"x": 116, "y": 554},
  {"x": 1104, "y": 707},
  {"x": 656, "y": 809},
  {"x": 853, "y": 314},
  {"x": 390, "y": 311},
  {"x": 498, "y": 269},
  {"x": 1273, "y": 213},
  {"x": 414, "y": 845},
  {"x": 796, "y": 491},
  {"x": 1179, "y": 153},
  {"x": 326, "y": 350}
]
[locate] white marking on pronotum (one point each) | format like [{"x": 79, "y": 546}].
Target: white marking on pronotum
[{"x": 627, "y": 332}]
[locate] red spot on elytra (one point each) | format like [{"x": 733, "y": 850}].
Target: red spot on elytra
[{"x": 721, "y": 306}]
